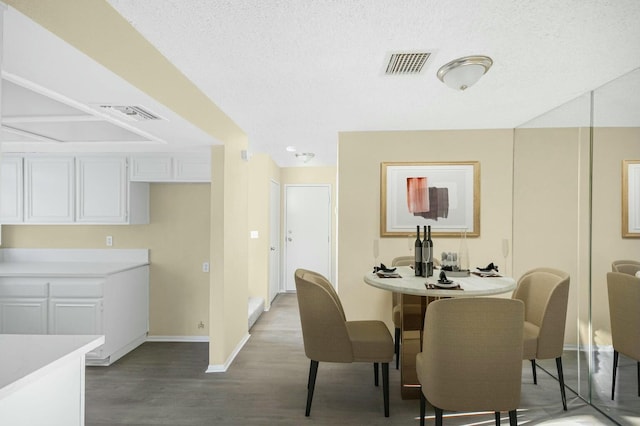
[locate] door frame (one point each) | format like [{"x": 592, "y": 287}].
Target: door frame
[{"x": 271, "y": 291}]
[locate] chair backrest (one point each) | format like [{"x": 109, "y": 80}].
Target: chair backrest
[
  {"x": 624, "y": 303},
  {"x": 400, "y": 261},
  {"x": 324, "y": 329},
  {"x": 545, "y": 293},
  {"x": 625, "y": 266},
  {"x": 472, "y": 354},
  {"x": 403, "y": 261}
]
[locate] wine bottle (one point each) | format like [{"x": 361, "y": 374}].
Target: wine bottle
[
  {"x": 425, "y": 253},
  {"x": 418, "y": 254},
  {"x": 428, "y": 252}
]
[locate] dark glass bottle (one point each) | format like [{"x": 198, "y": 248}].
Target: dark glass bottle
[
  {"x": 418, "y": 255},
  {"x": 427, "y": 249}
]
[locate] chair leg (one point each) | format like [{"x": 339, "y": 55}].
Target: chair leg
[
  {"x": 615, "y": 367},
  {"x": 497, "y": 413},
  {"x": 397, "y": 347},
  {"x": 513, "y": 419},
  {"x": 375, "y": 373},
  {"x": 438, "y": 416},
  {"x": 533, "y": 369},
  {"x": 313, "y": 372},
  {"x": 385, "y": 387},
  {"x": 423, "y": 407},
  {"x": 561, "y": 379}
]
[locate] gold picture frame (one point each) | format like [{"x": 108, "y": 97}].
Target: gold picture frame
[
  {"x": 443, "y": 195},
  {"x": 631, "y": 198}
]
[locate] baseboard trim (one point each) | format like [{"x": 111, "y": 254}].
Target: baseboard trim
[
  {"x": 177, "y": 338},
  {"x": 221, "y": 368}
]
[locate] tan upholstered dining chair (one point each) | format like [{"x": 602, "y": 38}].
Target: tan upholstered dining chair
[
  {"x": 413, "y": 311},
  {"x": 624, "y": 311},
  {"x": 329, "y": 337},
  {"x": 545, "y": 293},
  {"x": 629, "y": 267},
  {"x": 471, "y": 357}
]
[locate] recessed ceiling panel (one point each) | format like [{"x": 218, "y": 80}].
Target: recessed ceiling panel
[
  {"x": 81, "y": 131},
  {"x": 18, "y": 101}
]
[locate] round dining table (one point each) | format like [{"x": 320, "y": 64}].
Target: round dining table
[
  {"x": 421, "y": 291},
  {"x": 470, "y": 286}
]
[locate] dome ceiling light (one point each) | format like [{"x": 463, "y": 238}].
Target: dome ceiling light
[{"x": 462, "y": 73}]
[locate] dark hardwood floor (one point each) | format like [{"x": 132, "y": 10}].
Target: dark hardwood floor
[{"x": 166, "y": 384}]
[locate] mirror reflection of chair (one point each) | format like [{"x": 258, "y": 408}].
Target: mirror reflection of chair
[
  {"x": 630, "y": 267},
  {"x": 545, "y": 293},
  {"x": 412, "y": 311},
  {"x": 471, "y": 357},
  {"x": 329, "y": 337},
  {"x": 624, "y": 311}
]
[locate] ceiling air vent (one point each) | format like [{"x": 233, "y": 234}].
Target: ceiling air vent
[
  {"x": 406, "y": 63},
  {"x": 130, "y": 112}
]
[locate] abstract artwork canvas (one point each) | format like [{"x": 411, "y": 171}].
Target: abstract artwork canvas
[{"x": 445, "y": 196}]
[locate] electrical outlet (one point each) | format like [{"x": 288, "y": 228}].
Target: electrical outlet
[
  {"x": 205, "y": 266},
  {"x": 109, "y": 240}
]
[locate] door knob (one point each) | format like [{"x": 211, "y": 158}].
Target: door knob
[{"x": 272, "y": 248}]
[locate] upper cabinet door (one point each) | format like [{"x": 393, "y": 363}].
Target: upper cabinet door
[
  {"x": 151, "y": 168},
  {"x": 49, "y": 194},
  {"x": 101, "y": 185},
  {"x": 11, "y": 190},
  {"x": 192, "y": 168}
]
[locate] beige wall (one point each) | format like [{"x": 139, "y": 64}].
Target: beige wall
[
  {"x": 359, "y": 158},
  {"x": 610, "y": 147},
  {"x": 178, "y": 241},
  {"x": 551, "y": 212},
  {"x": 96, "y": 29},
  {"x": 262, "y": 170},
  {"x": 229, "y": 251}
]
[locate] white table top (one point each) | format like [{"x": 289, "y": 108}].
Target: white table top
[
  {"x": 26, "y": 357},
  {"x": 472, "y": 286}
]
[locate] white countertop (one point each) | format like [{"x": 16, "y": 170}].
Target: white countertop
[
  {"x": 65, "y": 269},
  {"x": 26, "y": 358},
  {"x": 472, "y": 286}
]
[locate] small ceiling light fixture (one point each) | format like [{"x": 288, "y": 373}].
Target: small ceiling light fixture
[
  {"x": 291, "y": 148},
  {"x": 305, "y": 156},
  {"x": 460, "y": 74}
]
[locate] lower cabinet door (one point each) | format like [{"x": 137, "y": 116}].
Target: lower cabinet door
[
  {"x": 23, "y": 316},
  {"x": 76, "y": 316}
]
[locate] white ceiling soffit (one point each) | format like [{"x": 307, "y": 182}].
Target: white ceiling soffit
[{"x": 55, "y": 98}]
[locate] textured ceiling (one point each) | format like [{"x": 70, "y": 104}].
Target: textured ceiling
[{"x": 294, "y": 72}]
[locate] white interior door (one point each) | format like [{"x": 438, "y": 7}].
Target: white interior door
[
  {"x": 307, "y": 230},
  {"x": 274, "y": 240}
]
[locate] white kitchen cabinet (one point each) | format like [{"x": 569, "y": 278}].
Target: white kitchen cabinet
[
  {"x": 104, "y": 194},
  {"x": 171, "y": 167},
  {"x": 101, "y": 189},
  {"x": 23, "y": 316},
  {"x": 49, "y": 189},
  {"x": 40, "y": 294},
  {"x": 23, "y": 305},
  {"x": 11, "y": 190},
  {"x": 192, "y": 168}
]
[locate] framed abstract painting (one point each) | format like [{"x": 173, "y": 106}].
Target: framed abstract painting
[
  {"x": 444, "y": 195},
  {"x": 631, "y": 198}
]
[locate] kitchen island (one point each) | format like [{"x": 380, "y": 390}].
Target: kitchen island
[
  {"x": 42, "y": 379},
  {"x": 77, "y": 292}
]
